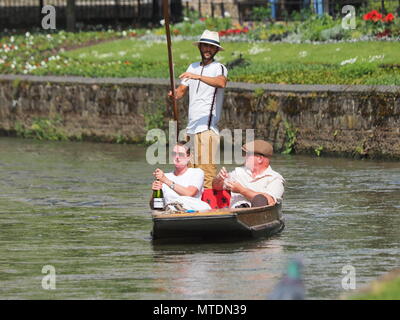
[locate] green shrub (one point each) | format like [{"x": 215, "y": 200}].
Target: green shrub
[{"x": 42, "y": 129}]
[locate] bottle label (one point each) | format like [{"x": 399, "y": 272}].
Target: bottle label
[{"x": 158, "y": 203}]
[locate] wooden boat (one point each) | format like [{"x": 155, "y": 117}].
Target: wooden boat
[{"x": 221, "y": 223}]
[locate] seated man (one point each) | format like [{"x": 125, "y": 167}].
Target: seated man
[
  {"x": 184, "y": 185},
  {"x": 255, "y": 184}
]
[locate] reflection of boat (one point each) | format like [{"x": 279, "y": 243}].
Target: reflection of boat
[{"x": 221, "y": 223}]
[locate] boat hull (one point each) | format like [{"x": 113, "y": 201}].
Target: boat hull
[{"x": 223, "y": 223}]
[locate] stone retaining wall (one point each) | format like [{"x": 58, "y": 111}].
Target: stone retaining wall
[{"x": 361, "y": 121}]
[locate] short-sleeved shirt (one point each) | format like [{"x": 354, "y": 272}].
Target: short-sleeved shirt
[
  {"x": 203, "y": 98},
  {"x": 192, "y": 177},
  {"x": 269, "y": 182}
]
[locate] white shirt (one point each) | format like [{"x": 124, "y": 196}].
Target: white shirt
[
  {"x": 191, "y": 177},
  {"x": 269, "y": 181},
  {"x": 201, "y": 97}
]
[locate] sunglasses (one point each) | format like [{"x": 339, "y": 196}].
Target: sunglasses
[{"x": 179, "y": 154}]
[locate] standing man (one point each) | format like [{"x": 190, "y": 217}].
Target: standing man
[{"x": 205, "y": 81}]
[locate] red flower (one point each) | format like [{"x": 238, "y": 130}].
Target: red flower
[
  {"x": 367, "y": 16},
  {"x": 374, "y": 16},
  {"x": 389, "y": 18},
  {"x": 202, "y": 19}
]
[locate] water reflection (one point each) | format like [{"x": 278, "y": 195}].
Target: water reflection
[{"x": 210, "y": 271}]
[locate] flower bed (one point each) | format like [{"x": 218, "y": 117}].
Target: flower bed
[{"x": 296, "y": 61}]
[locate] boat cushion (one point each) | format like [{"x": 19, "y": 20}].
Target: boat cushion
[{"x": 217, "y": 199}]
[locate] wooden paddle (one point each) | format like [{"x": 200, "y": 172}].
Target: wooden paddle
[{"x": 170, "y": 62}]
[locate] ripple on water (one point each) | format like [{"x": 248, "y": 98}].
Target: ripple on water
[{"x": 83, "y": 208}]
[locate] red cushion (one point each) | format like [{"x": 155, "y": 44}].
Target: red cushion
[{"x": 216, "y": 198}]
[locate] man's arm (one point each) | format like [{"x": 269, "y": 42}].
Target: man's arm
[
  {"x": 217, "y": 82},
  {"x": 179, "y": 92},
  {"x": 248, "y": 193},
  {"x": 189, "y": 191}
]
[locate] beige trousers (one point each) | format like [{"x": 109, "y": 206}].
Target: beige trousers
[{"x": 204, "y": 153}]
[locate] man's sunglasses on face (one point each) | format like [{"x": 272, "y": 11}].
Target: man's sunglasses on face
[{"x": 179, "y": 154}]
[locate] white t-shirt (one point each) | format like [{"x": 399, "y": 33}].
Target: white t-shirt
[
  {"x": 201, "y": 97},
  {"x": 192, "y": 177},
  {"x": 269, "y": 181}
]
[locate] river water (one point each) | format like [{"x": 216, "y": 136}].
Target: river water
[{"x": 82, "y": 208}]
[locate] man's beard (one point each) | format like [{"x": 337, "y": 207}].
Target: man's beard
[{"x": 203, "y": 58}]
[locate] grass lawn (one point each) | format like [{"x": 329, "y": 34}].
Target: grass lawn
[
  {"x": 387, "y": 290},
  {"x": 376, "y": 62}
]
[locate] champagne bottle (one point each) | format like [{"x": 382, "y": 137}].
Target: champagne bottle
[{"x": 158, "y": 199}]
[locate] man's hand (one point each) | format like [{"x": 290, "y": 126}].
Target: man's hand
[
  {"x": 179, "y": 92},
  {"x": 222, "y": 174},
  {"x": 157, "y": 185},
  {"x": 159, "y": 175},
  {"x": 234, "y": 186},
  {"x": 177, "y": 96}
]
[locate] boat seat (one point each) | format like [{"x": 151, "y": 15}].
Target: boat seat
[{"x": 217, "y": 199}]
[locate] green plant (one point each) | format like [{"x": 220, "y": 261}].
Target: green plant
[
  {"x": 42, "y": 129},
  {"x": 318, "y": 150},
  {"x": 218, "y": 24},
  {"x": 259, "y": 92},
  {"x": 261, "y": 13},
  {"x": 290, "y": 139},
  {"x": 312, "y": 28},
  {"x": 154, "y": 119}
]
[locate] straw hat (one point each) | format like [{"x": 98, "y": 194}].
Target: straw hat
[{"x": 210, "y": 37}]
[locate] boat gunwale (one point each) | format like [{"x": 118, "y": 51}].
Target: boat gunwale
[{"x": 226, "y": 212}]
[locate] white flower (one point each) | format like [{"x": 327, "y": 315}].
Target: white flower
[
  {"x": 374, "y": 58},
  {"x": 303, "y": 54},
  {"x": 338, "y": 49},
  {"x": 12, "y": 39},
  {"x": 350, "y": 61},
  {"x": 124, "y": 33},
  {"x": 162, "y": 22},
  {"x": 256, "y": 50},
  {"x": 27, "y": 34},
  {"x": 122, "y": 53},
  {"x": 105, "y": 55}
]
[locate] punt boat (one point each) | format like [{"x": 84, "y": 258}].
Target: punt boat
[{"x": 251, "y": 222}]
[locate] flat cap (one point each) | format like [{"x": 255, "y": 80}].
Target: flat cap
[{"x": 259, "y": 146}]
